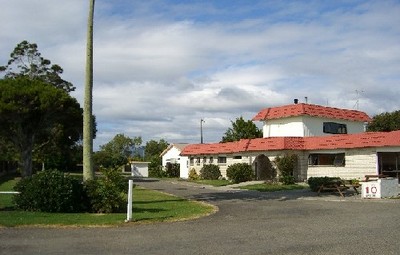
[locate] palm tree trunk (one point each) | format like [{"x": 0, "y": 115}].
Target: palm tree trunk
[{"x": 88, "y": 170}]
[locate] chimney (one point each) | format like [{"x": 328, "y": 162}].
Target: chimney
[{"x": 296, "y": 101}]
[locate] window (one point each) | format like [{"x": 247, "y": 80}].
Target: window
[
  {"x": 237, "y": 157},
  {"x": 204, "y": 160},
  {"x": 334, "y": 128},
  {"x": 324, "y": 159},
  {"x": 198, "y": 161},
  {"x": 211, "y": 160},
  {"x": 221, "y": 160},
  {"x": 389, "y": 163},
  {"x": 191, "y": 161}
]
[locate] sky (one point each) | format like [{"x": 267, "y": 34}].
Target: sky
[{"x": 160, "y": 66}]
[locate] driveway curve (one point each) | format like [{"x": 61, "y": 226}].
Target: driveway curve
[{"x": 248, "y": 222}]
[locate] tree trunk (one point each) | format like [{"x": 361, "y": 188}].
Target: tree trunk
[
  {"x": 26, "y": 162},
  {"x": 88, "y": 171}
]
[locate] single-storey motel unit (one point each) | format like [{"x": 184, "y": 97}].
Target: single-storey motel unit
[{"x": 328, "y": 142}]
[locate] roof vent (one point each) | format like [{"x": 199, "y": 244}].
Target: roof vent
[{"x": 296, "y": 101}]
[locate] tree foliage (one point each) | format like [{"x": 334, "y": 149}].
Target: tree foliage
[
  {"x": 33, "y": 113},
  {"x": 286, "y": 166},
  {"x": 153, "y": 150},
  {"x": 385, "y": 122},
  {"x": 27, "y": 61},
  {"x": 117, "y": 152},
  {"x": 58, "y": 146},
  {"x": 241, "y": 129}
]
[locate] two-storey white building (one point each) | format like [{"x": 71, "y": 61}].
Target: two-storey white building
[{"x": 328, "y": 141}]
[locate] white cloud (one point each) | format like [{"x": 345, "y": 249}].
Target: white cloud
[{"x": 160, "y": 67}]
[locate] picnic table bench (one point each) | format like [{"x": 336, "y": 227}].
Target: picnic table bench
[
  {"x": 374, "y": 176},
  {"x": 339, "y": 186}
]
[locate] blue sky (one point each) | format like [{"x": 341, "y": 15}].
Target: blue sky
[{"x": 161, "y": 66}]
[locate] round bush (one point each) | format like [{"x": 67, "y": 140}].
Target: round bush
[
  {"x": 239, "y": 172},
  {"x": 210, "y": 172},
  {"x": 157, "y": 172},
  {"x": 49, "y": 191},
  {"x": 172, "y": 170},
  {"x": 287, "y": 179},
  {"x": 193, "y": 174},
  {"x": 107, "y": 194}
]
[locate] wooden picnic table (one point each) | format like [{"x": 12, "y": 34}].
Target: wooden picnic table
[{"x": 339, "y": 186}]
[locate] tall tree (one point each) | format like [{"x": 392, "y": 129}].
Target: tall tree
[
  {"x": 385, "y": 122},
  {"x": 32, "y": 111},
  {"x": 26, "y": 60},
  {"x": 153, "y": 149},
  {"x": 56, "y": 146},
  {"x": 118, "y": 151},
  {"x": 88, "y": 170},
  {"x": 241, "y": 129}
]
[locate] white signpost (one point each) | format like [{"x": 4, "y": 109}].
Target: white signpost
[{"x": 129, "y": 207}]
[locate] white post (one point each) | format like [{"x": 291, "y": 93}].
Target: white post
[{"x": 129, "y": 209}]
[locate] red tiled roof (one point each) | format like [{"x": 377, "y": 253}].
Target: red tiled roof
[
  {"x": 361, "y": 140},
  {"x": 350, "y": 141},
  {"x": 310, "y": 110},
  {"x": 216, "y": 148}
]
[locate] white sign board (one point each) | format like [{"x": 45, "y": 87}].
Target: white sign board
[{"x": 380, "y": 188}]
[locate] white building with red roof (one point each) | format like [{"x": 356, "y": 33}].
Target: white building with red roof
[
  {"x": 171, "y": 155},
  {"x": 301, "y": 120},
  {"x": 328, "y": 141}
]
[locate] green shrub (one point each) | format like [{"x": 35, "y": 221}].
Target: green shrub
[
  {"x": 316, "y": 182},
  {"x": 172, "y": 170},
  {"x": 107, "y": 194},
  {"x": 286, "y": 166},
  {"x": 210, "y": 172},
  {"x": 239, "y": 172},
  {"x": 157, "y": 172},
  {"x": 193, "y": 174},
  {"x": 49, "y": 191},
  {"x": 287, "y": 179}
]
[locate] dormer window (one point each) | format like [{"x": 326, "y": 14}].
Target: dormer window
[{"x": 334, "y": 128}]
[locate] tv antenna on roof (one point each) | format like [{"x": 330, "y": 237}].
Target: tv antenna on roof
[{"x": 357, "y": 104}]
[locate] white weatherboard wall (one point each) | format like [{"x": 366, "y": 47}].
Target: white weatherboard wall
[
  {"x": 173, "y": 156},
  {"x": 358, "y": 163},
  {"x": 284, "y": 127},
  {"x": 184, "y": 168},
  {"x": 302, "y": 126}
]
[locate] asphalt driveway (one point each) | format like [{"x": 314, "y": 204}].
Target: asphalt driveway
[{"x": 295, "y": 222}]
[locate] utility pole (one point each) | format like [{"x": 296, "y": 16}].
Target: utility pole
[
  {"x": 88, "y": 170},
  {"x": 357, "y": 104},
  {"x": 201, "y": 130}
]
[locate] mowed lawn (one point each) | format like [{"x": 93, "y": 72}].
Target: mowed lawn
[{"x": 148, "y": 206}]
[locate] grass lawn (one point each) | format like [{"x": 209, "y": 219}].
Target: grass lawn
[
  {"x": 148, "y": 206},
  {"x": 266, "y": 187}
]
